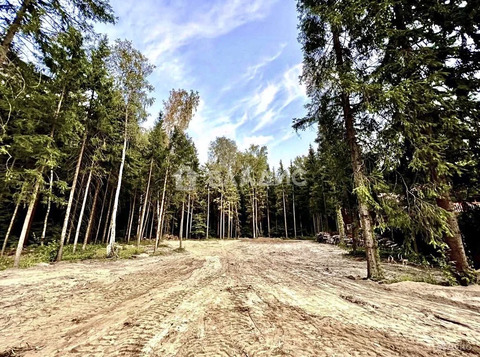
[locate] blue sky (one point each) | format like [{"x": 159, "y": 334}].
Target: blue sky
[{"x": 242, "y": 56}]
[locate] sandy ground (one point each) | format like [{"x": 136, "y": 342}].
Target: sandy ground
[{"x": 232, "y": 298}]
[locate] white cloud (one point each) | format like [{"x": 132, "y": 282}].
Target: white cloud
[
  {"x": 207, "y": 126},
  {"x": 260, "y": 140},
  {"x": 272, "y": 100},
  {"x": 169, "y": 31},
  {"x": 252, "y": 71},
  {"x": 265, "y": 98}
]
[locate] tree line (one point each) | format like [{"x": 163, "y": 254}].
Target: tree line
[
  {"x": 79, "y": 168},
  {"x": 394, "y": 90}
]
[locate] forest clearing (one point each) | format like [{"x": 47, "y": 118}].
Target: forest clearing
[
  {"x": 264, "y": 297},
  {"x": 149, "y": 148}
]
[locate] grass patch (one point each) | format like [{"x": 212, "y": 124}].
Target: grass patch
[
  {"x": 94, "y": 251},
  {"x": 128, "y": 251},
  {"x": 32, "y": 256},
  {"x": 180, "y": 250}
]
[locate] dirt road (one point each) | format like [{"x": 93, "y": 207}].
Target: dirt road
[{"x": 232, "y": 298}]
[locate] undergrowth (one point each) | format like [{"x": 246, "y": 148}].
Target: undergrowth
[{"x": 47, "y": 254}]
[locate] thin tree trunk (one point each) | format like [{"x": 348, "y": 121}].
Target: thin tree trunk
[
  {"x": 340, "y": 225},
  {"x": 82, "y": 210},
  {"x": 10, "y": 226},
  {"x": 374, "y": 269},
  {"x": 71, "y": 224},
  {"x": 102, "y": 210},
  {"x": 13, "y": 29},
  {"x": 140, "y": 232},
  {"x": 49, "y": 205},
  {"x": 191, "y": 218},
  {"x": 181, "y": 223},
  {"x": 221, "y": 214},
  {"x": 294, "y": 217},
  {"x": 140, "y": 210},
  {"x": 106, "y": 227},
  {"x": 162, "y": 229},
  {"x": 70, "y": 200},
  {"x": 113, "y": 222},
  {"x": 159, "y": 222},
  {"x": 254, "y": 233},
  {"x": 145, "y": 223},
  {"x": 130, "y": 222},
  {"x": 237, "y": 225},
  {"x": 187, "y": 232},
  {"x": 256, "y": 215},
  {"x": 208, "y": 210},
  {"x": 268, "y": 217},
  {"x": 91, "y": 218},
  {"x": 285, "y": 214},
  {"x": 152, "y": 223},
  {"x": 228, "y": 221},
  {"x": 26, "y": 223},
  {"x": 161, "y": 214}
]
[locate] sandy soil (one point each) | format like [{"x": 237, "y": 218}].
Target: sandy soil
[{"x": 232, "y": 298}]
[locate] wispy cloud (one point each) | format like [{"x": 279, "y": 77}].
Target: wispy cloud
[
  {"x": 254, "y": 71},
  {"x": 272, "y": 100},
  {"x": 241, "y": 55},
  {"x": 170, "y": 31},
  {"x": 261, "y": 140}
]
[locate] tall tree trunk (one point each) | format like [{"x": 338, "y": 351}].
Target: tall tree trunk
[
  {"x": 152, "y": 223},
  {"x": 10, "y": 226},
  {"x": 145, "y": 223},
  {"x": 71, "y": 224},
  {"x": 130, "y": 220},
  {"x": 140, "y": 231},
  {"x": 49, "y": 205},
  {"x": 237, "y": 225},
  {"x": 82, "y": 210},
  {"x": 454, "y": 241},
  {"x": 254, "y": 233},
  {"x": 228, "y": 221},
  {"x": 102, "y": 210},
  {"x": 159, "y": 223},
  {"x": 285, "y": 214},
  {"x": 26, "y": 223},
  {"x": 161, "y": 213},
  {"x": 374, "y": 269},
  {"x": 268, "y": 216},
  {"x": 221, "y": 214},
  {"x": 106, "y": 226},
  {"x": 70, "y": 200},
  {"x": 12, "y": 29},
  {"x": 181, "y": 223},
  {"x": 113, "y": 221},
  {"x": 91, "y": 218},
  {"x": 191, "y": 218},
  {"x": 187, "y": 227},
  {"x": 340, "y": 225},
  {"x": 294, "y": 217},
  {"x": 258, "y": 232},
  {"x": 208, "y": 210}
]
